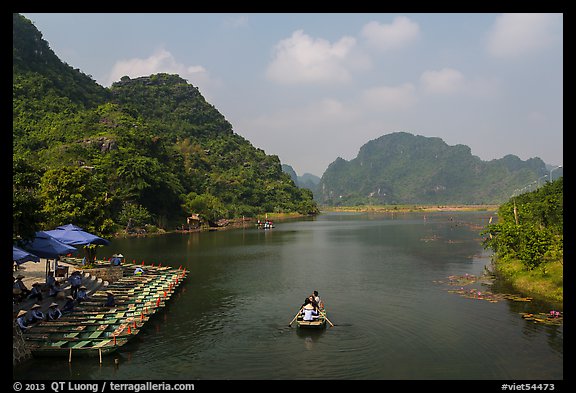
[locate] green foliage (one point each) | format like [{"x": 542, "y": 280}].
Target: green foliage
[
  {"x": 74, "y": 195},
  {"x": 133, "y": 215},
  {"x": 542, "y": 207},
  {"x": 401, "y": 168},
  {"x": 207, "y": 206},
  {"x": 26, "y": 203},
  {"x": 539, "y": 233},
  {"x": 149, "y": 149}
]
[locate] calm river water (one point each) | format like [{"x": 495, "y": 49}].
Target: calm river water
[{"x": 378, "y": 275}]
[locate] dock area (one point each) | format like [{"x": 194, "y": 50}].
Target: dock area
[{"x": 93, "y": 328}]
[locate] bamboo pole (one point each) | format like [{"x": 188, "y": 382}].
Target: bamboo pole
[
  {"x": 295, "y": 316},
  {"x": 331, "y": 324}
]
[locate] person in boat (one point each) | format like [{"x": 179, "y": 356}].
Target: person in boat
[
  {"x": 309, "y": 312},
  {"x": 81, "y": 295},
  {"x": 53, "y": 312},
  {"x": 318, "y": 301},
  {"x": 36, "y": 292},
  {"x": 22, "y": 321},
  {"x": 110, "y": 300},
  {"x": 116, "y": 261},
  {"x": 138, "y": 271},
  {"x": 36, "y": 315},
  {"x": 69, "y": 305},
  {"x": 310, "y": 300}
]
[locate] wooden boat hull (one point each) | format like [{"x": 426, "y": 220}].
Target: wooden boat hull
[
  {"x": 85, "y": 348},
  {"x": 95, "y": 330}
]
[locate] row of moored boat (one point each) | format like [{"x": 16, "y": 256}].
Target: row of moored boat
[{"x": 93, "y": 329}]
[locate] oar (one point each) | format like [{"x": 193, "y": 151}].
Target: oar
[
  {"x": 331, "y": 324},
  {"x": 295, "y": 316},
  {"x": 326, "y": 318}
]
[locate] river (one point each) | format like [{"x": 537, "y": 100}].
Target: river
[{"x": 383, "y": 279}]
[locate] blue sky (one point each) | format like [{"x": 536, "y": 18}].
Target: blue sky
[{"x": 313, "y": 87}]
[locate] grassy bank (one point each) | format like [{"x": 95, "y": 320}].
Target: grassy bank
[
  {"x": 544, "y": 282},
  {"x": 409, "y": 208}
]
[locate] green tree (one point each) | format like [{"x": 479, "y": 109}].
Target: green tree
[
  {"x": 75, "y": 195},
  {"x": 133, "y": 215},
  {"x": 538, "y": 233},
  {"x": 207, "y": 206},
  {"x": 26, "y": 203}
]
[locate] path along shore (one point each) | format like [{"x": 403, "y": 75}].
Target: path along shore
[{"x": 36, "y": 271}]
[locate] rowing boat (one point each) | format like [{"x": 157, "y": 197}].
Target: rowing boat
[
  {"x": 81, "y": 348},
  {"x": 94, "y": 329},
  {"x": 79, "y": 336},
  {"x": 86, "y": 324},
  {"x": 318, "y": 322}
]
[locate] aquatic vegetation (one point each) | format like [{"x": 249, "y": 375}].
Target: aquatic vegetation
[
  {"x": 480, "y": 294},
  {"x": 474, "y": 293},
  {"x": 466, "y": 279},
  {"x": 551, "y": 318},
  {"x": 463, "y": 281}
]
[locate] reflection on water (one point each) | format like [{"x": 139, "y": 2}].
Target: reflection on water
[{"x": 376, "y": 274}]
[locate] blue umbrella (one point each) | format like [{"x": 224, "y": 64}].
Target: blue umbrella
[
  {"x": 75, "y": 236},
  {"x": 20, "y": 256},
  {"x": 45, "y": 246}
]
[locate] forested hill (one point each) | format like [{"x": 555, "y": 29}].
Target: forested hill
[
  {"x": 171, "y": 105},
  {"x": 41, "y": 79},
  {"x": 147, "y": 151},
  {"x": 402, "y": 168}
]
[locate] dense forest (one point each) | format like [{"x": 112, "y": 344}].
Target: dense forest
[
  {"x": 146, "y": 152},
  {"x": 400, "y": 168}
]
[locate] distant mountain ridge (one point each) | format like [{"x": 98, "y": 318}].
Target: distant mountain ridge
[
  {"x": 307, "y": 180},
  {"x": 400, "y": 168}
]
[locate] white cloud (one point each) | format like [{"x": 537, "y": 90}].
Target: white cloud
[
  {"x": 389, "y": 98},
  {"x": 303, "y": 59},
  {"x": 444, "y": 81},
  {"x": 161, "y": 61},
  {"x": 449, "y": 81},
  {"x": 519, "y": 34},
  {"x": 195, "y": 69},
  {"x": 399, "y": 33}
]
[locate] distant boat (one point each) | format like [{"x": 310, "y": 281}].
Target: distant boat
[{"x": 265, "y": 225}]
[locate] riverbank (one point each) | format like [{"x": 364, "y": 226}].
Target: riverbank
[
  {"x": 410, "y": 208},
  {"x": 224, "y": 224},
  {"x": 544, "y": 283},
  {"x": 35, "y": 272},
  {"x": 248, "y": 222}
]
